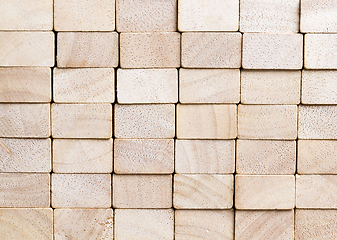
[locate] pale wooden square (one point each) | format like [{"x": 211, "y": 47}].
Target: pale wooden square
[
  {"x": 209, "y": 85},
  {"x": 270, "y": 87},
  {"x": 25, "y": 155},
  {"x": 25, "y": 120},
  {"x": 200, "y": 15},
  {"x": 147, "y": 85},
  {"x": 265, "y": 157},
  {"x": 145, "y": 121},
  {"x": 25, "y": 84},
  {"x": 203, "y": 191},
  {"x": 264, "y": 192},
  {"x": 78, "y": 15},
  {"x": 82, "y": 156},
  {"x": 87, "y": 49},
  {"x": 204, "y": 224},
  {"x": 205, "y": 156},
  {"x": 256, "y": 225},
  {"x": 267, "y": 121},
  {"x": 142, "y": 191},
  {"x": 149, "y": 224},
  {"x": 211, "y": 50},
  {"x": 81, "y": 190},
  {"x": 84, "y": 85},
  {"x": 26, "y": 49},
  {"x": 149, "y": 156},
  {"x": 272, "y": 51},
  {"x": 81, "y": 120},
  {"x": 316, "y": 191},
  {"x": 83, "y": 224},
  {"x": 150, "y": 50},
  {"x": 26, "y": 224},
  {"x": 206, "y": 121},
  {"x": 25, "y": 190},
  {"x": 146, "y": 15}
]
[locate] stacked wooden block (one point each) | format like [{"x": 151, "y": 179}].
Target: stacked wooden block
[{"x": 166, "y": 119}]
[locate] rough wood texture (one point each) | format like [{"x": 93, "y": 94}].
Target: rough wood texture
[
  {"x": 25, "y": 85},
  {"x": 25, "y": 190},
  {"x": 142, "y": 191},
  {"x": 206, "y": 121},
  {"x": 84, "y": 85},
  {"x": 25, "y": 155},
  {"x": 203, "y": 191},
  {"x": 144, "y": 224},
  {"x": 264, "y": 192},
  {"x": 139, "y": 156},
  {"x": 83, "y": 224},
  {"x": 26, "y": 224},
  {"x": 82, "y": 156},
  {"x": 204, "y": 224},
  {"x": 205, "y": 156}
]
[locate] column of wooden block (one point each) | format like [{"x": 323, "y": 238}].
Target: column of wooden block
[{"x": 26, "y": 58}]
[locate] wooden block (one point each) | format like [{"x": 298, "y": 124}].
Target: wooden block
[
  {"x": 316, "y": 191},
  {"x": 272, "y": 51},
  {"x": 209, "y": 85},
  {"x": 83, "y": 224},
  {"x": 146, "y": 16},
  {"x": 213, "y": 50},
  {"x": 150, "y": 156},
  {"x": 26, "y": 15},
  {"x": 270, "y": 87},
  {"x": 317, "y": 122},
  {"x": 264, "y": 192},
  {"x": 81, "y": 120},
  {"x": 142, "y": 191},
  {"x": 87, "y": 49},
  {"x": 265, "y": 157},
  {"x": 317, "y": 157},
  {"x": 26, "y": 48},
  {"x": 146, "y": 224},
  {"x": 82, "y": 156},
  {"x": 256, "y": 225},
  {"x": 24, "y": 190},
  {"x": 25, "y": 155},
  {"x": 81, "y": 190},
  {"x": 26, "y": 223},
  {"x": 25, "y": 120},
  {"x": 25, "y": 84},
  {"x": 150, "y": 50},
  {"x": 206, "y": 121},
  {"x": 214, "y": 16},
  {"x": 147, "y": 85},
  {"x": 145, "y": 121},
  {"x": 84, "y": 85},
  {"x": 264, "y": 16},
  {"x": 319, "y": 87},
  {"x": 267, "y": 121},
  {"x": 204, "y": 224},
  {"x": 205, "y": 156},
  {"x": 315, "y": 224},
  {"x": 76, "y": 15},
  {"x": 318, "y": 16},
  {"x": 319, "y": 51},
  {"x": 203, "y": 191}
]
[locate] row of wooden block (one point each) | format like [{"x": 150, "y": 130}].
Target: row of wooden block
[
  {"x": 203, "y": 121},
  {"x": 189, "y": 191},
  {"x": 165, "y": 156},
  {"x": 170, "y": 15},
  {"x": 169, "y": 50},
  {"x": 166, "y": 224},
  {"x": 137, "y": 86}
]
